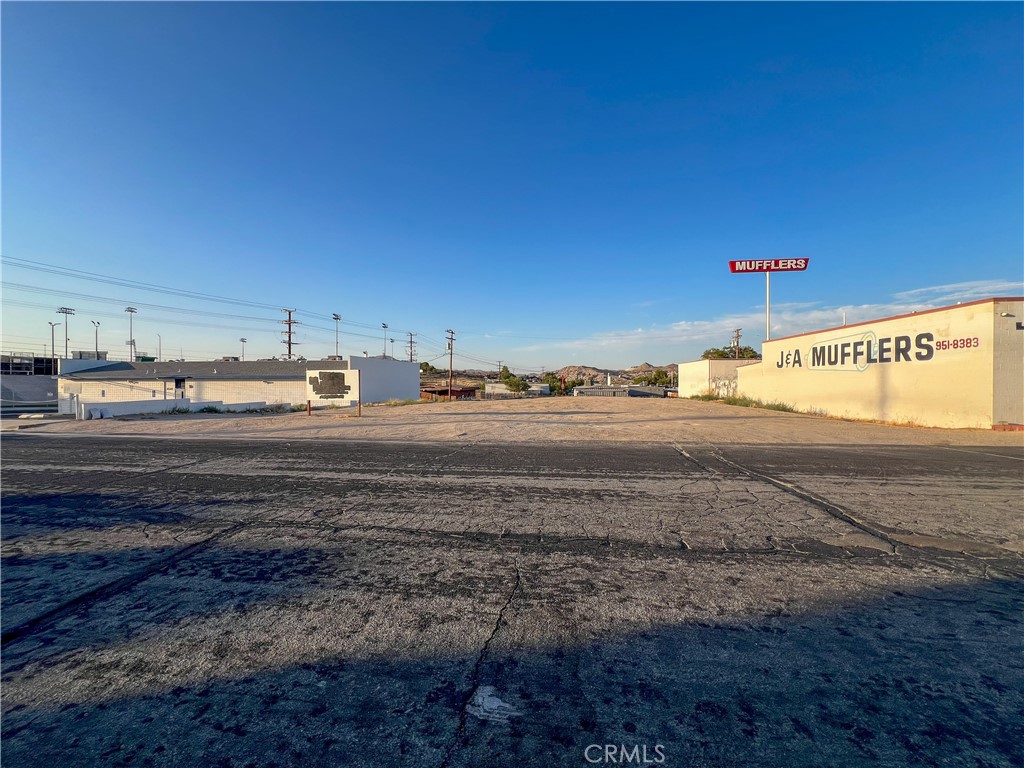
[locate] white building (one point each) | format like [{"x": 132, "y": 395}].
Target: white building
[{"x": 153, "y": 387}]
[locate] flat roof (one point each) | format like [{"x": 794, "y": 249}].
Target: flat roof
[{"x": 211, "y": 369}]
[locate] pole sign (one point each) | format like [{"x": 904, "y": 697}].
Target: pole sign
[{"x": 769, "y": 265}]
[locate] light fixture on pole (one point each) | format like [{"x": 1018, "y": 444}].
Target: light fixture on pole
[
  {"x": 96, "y": 323},
  {"x": 67, "y": 312},
  {"x": 243, "y": 340},
  {"x": 337, "y": 332},
  {"x": 131, "y": 335},
  {"x": 53, "y": 349},
  {"x": 385, "y": 327}
]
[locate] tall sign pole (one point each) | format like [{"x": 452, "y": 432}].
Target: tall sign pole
[{"x": 768, "y": 266}]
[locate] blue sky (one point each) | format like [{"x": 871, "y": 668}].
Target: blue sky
[{"x": 559, "y": 183}]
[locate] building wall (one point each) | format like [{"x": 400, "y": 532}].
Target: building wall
[
  {"x": 1008, "y": 365},
  {"x": 715, "y": 377},
  {"x": 272, "y": 392},
  {"x": 382, "y": 379},
  {"x": 269, "y": 391},
  {"x": 933, "y": 368},
  {"x": 115, "y": 391}
]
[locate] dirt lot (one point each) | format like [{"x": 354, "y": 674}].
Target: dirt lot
[
  {"x": 562, "y": 419},
  {"x": 523, "y": 583}
]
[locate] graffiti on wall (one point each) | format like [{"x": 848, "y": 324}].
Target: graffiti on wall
[{"x": 330, "y": 385}]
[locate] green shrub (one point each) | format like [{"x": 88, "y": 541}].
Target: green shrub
[{"x": 746, "y": 402}]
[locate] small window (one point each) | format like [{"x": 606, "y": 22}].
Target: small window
[
  {"x": 154, "y": 393},
  {"x": 103, "y": 393}
]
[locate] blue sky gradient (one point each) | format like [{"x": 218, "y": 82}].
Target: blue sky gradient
[{"x": 559, "y": 183}]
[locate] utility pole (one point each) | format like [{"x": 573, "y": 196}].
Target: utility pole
[
  {"x": 411, "y": 346},
  {"x": 499, "y": 370},
  {"x": 97, "y": 326},
  {"x": 451, "y": 361},
  {"x": 736, "y": 343},
  {"x": 337, "y": 332},
  {"x": 159, "y": 347},
  {"x": 392, "y": 348},
  {"x": 53, "y": 348},
  {"x": 67, "y": 312},
  {"x": 131, "y": 334},
  {"x": 287, "y": 340},
  {"x": 385, "y": 327},
  {"x": 243, "y": 340}
]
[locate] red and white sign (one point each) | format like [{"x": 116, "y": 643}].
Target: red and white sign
[{"x": 769, "y": 265}]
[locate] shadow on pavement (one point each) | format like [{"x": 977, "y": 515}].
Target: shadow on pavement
[{"x": 929, "y": 678}]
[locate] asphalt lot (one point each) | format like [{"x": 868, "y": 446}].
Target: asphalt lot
[{"x": 265, "y": 603}]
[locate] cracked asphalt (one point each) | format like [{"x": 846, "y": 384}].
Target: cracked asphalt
[{"x": 319, "y": 603}]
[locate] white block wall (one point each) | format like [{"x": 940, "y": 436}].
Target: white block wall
[{"x": 382, "y": 379}]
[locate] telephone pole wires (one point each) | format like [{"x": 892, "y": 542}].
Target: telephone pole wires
[
  {"x": 289, "y": 333},
  {"x": 451, "y": 361}
]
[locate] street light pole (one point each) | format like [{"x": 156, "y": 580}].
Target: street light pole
[
  {"x": 159, "y": 347},
  {"x": 131, "y": 335},
  {"x": 67, "y": 312},
  {"x": 337, "y": 333},
  {"x": 243, "y": 340},
  {"x": 392, "y": 348},
  {"x": 53, "y": 348},
  {"x": 96, "y": 323},
  {"x": 385, "y": 327},
  {"x": 451, "y": 361}
]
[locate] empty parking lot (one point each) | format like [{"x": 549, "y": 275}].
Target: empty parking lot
[{"x": 340, "y": 602}]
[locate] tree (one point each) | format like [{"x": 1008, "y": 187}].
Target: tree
[
  {"x": 724, "y": 353},
  {"x": 504, "y": 373},
  {"x": 656, "y": 378},
  {"x": 553, "y": 381},
  {"x": 428, "y": 368},
  {"x": 515, "y": 384}
]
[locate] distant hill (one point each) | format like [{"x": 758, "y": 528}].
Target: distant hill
[
  {"x": 619, "y": 376},
  {"x": 584, "y": 372}
]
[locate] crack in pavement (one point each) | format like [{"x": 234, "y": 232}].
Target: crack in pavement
[{"x": 460, "y": 731}]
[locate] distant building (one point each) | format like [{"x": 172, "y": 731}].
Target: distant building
[
  {"x": 150, "y": 387},
  {"x": 441, "y": 393},
  {"x": 625, "y": 390}
]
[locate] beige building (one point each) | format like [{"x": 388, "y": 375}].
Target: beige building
[
  {"x": 959, "y": 366},
  {"x": 710, "y": 377}
]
